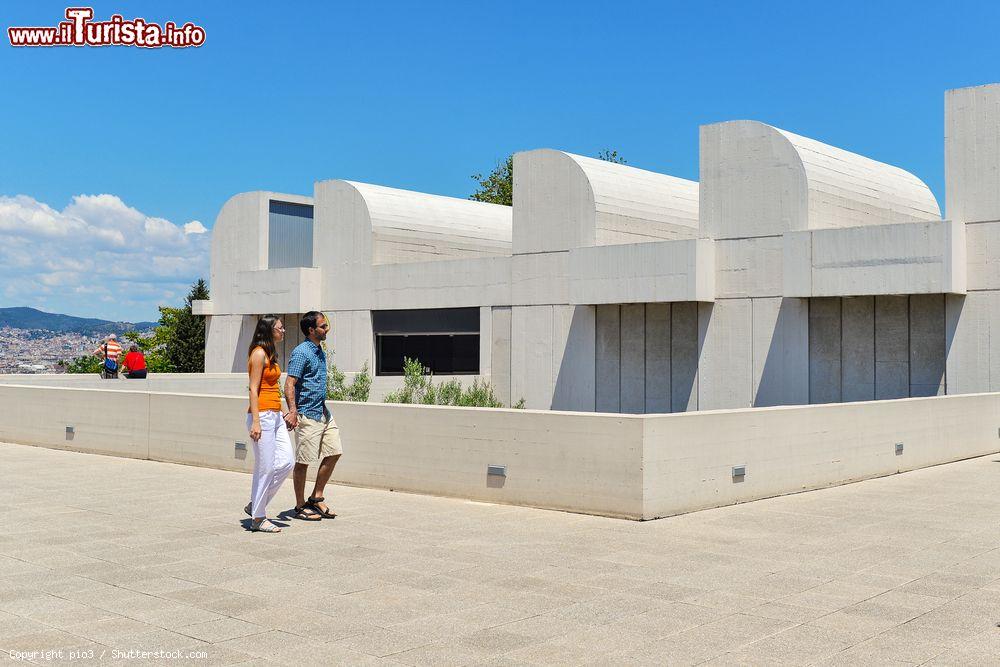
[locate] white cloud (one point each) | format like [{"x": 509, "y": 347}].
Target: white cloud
[{"x": 97, "y": 257}]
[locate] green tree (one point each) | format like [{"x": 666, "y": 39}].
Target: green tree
[
  {"x": 611, "y": 156},
  {"x": 152, "y": 348},
  {"x": 498, "y": 186},
  {"x": 87, "y": 363},
  {"x": 184, "y": 333}
]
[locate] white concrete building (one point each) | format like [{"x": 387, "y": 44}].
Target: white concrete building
[{"x": 793, "y": 273}]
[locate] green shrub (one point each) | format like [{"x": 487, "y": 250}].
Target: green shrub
[
  {"x": 337, "y": 388},
  {"x": 419, "y": 388},
  {"x": 87, "y": 363}
]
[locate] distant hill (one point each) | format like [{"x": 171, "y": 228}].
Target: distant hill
[{"x": 29, "y": 318}]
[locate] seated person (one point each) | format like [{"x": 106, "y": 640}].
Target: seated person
[{"x": 134, "y": 364}]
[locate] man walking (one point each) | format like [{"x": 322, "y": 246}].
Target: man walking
[{"x": 318, "y": 438}]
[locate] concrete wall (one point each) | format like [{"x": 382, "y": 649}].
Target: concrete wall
[
  {"x": 552, "y": 357},
  {"x": 879, "y": 347},
  {"x": 688, "y": 458},
  {"x": 912, "y": 258},
  {"x": 646, "y": 357},
  {"x": 972, "y": 153},
  {"x": 218, "y": 384},
  {"x": 578, "y": 462},
  {"x": 665, "y": 271},
  {"x": 295, "y": 290},
  {"x": 225, "y": 336},
  {"x": 615, "y": 465},
  {"x": 972, "y": 185}
]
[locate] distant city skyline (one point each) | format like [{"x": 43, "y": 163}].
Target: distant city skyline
[{"x": 118, "y": 159}]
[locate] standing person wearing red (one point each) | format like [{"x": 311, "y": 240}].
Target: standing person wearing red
[{"x": 134, "y": 364}]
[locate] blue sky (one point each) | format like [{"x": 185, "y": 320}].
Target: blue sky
[{"x": 422, "y": 95}]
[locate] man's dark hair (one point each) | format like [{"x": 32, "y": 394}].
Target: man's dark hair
[{"x": 310, "y": 321}]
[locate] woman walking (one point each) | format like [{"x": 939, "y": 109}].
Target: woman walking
[{"x": 272, "y": 448}]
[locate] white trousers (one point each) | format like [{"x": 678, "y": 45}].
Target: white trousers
[{"x": 273, "y": 460}]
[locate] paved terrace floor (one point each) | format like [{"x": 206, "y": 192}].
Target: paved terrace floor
[{"x": 100, "y": 553}]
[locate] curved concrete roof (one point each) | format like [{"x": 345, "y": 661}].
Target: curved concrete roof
[
  {"x": 566, "y": 201},
  {"x": 408, "y": 226},
  {"x": 404, "y": 214},
  {"x": 758, "y": 180}
]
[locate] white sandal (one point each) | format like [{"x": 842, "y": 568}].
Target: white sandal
[{"x": 263, "y": 526}]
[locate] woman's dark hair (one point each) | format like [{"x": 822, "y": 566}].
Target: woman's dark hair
[
  {"x": 310, "y": 321},
  {"x": 263, "y": 336}
]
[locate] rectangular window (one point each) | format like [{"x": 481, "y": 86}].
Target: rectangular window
[
  {"x": 289, "y": 235},
  {"x": 445, "y": 340}
]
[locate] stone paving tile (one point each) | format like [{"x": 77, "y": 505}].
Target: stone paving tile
[
  {"x": 983, "y": 649},
  {"x": 885, "y": 649},
  {"x": 899, "y": 570},
  {"x": 800, "y": 645},
  {"x": 306, "y": 623},
  {"x": 292, "y": 649},
  {"x": 219, "y": 630}
]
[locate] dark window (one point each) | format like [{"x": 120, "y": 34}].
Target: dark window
[
  {"x": 445, "y": 340},
  {"x": 290, "y": 235}
]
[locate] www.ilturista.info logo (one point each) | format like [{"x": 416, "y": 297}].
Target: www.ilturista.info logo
[{"x": 80, "y": 30}]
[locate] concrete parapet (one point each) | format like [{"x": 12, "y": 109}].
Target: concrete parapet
[{"x": 630, "y": 466}]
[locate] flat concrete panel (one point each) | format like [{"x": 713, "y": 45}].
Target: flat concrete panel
[
  {"x": 633, "y": 364},
  {"x": 912, "y": 258},
  {"x": 858, "y": 344},
  {"x": 983, "y": 252},
  {"x": 972, "y": 323},
  {"x": 825, "y": 353},
  {"x": 221, "y": 336},
  {"x": 972, "y": 153},
  {"x": 662, "y": 271},
  {"x": 608, "y": 359},
  {"x": 748, "y": 267},
  {"x": 683, "y": 356},
  {"x": 531, "y": 356},
  {"x": 725, "y": 372},
  {"x": 796, "y": 264},
  {"x": 927, "y": 344},
  {"x": 657, "y": 357},
  {"x": 453, "y": 283},
  {"x": 892, "y": 356},
  {"x": 574, "y": 358},
  {"x": 242, "y": 351},
  {"x": 780, "y": 351},
  {"x": 539, "y": 278},
  {"x": 500, "y": 354},
  {"x": 352, "y": 340}
]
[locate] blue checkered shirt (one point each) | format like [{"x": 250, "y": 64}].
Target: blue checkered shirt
[{"x": 308, "y": 366}]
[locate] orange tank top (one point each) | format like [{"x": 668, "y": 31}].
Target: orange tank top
[{"x": 269, "y": 398}]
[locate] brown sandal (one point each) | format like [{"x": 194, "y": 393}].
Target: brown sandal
[
  {"x": 307, "y": 513},
  {"x": 313, "y": 503}
]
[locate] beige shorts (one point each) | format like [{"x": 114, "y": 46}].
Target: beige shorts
[{"x": 316, "y": 439}]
